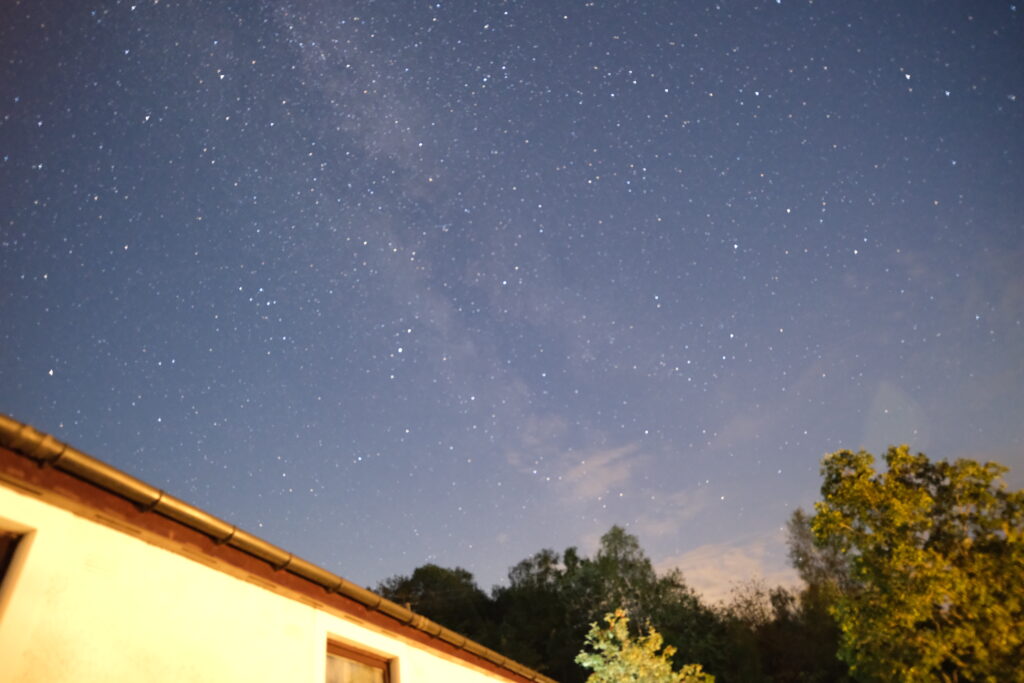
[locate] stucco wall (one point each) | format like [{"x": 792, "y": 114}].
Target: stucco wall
[{"x": 91, "y": 603}]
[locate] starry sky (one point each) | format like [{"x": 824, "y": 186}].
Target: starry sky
[{"x": 393, "y": 282}]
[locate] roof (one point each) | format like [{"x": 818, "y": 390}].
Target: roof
[{"x": 39, "y": 464}]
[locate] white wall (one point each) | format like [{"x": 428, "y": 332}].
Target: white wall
[{"x": 93, "y": 604}]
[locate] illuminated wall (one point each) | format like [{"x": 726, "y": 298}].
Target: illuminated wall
[{"x": 85, "y": 602}]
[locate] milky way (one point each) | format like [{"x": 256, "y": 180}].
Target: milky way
[{"x": 389, "y": 283}]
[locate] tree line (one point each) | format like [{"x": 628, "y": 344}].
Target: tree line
[{"x": 913, "y": 573}]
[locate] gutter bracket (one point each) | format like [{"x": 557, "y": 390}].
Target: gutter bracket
[{"x": 148, "y": 507}]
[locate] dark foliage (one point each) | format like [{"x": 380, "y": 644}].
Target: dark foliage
[{"x": 544, "y": 613}]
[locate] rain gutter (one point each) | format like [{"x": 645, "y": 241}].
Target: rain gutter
[{"x": 49, "y": 452}]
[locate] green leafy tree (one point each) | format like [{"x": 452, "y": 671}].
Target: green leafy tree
[
  {"x": 551, "y": 600},
  {"x": 545, "y": 611},
  {"x": 620, "y": 575},
  {"x": 937, "y": 558},
  {"x": 615, "y": 656}
]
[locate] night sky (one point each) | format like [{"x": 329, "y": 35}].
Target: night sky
[{"x": 396, "y": 282}]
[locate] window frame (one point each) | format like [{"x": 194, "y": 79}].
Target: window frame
[{"x": 355, "y": 654}]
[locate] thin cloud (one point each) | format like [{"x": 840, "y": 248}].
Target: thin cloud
[
  {"x": 742, "y": 430},
  {"x": 670, "y": 513},
  {"x": 540, "y": 443},
  {"x": 714, "y": 569},
  {"x": 584, "y": 473},
  {"x": 600, "y": 472}
]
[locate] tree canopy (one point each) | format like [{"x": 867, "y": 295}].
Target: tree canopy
[
  {"x": 448, "y": 596},
  {"x": 937, "y": 557},
  {"x": 542, "y": 616},
  {"x": 911, "y": 573}
]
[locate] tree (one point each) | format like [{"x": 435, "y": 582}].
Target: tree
[
  {"x": 616, "y": 657},
  {"x": 805, "y": 635},
  {"x": 534, "y": 628},
  {"x": 747, "y": 618},
  {"x": 448, "y": 596},
  {"x": 937, "y": 556},
  {"x": 822, "y": 564},
  {"x": 621, "y": 576},
  {"x": 694, "y": 629},
  {"x": 552, "y": 600},
  {"x": 627, "y": 577}
]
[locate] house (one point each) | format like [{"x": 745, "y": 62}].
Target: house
[{"x": 106, "y": 578}]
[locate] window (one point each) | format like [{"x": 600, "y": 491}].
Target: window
[
  {"x": 12, "y": 552},
  {"x": 348, "y": 665},
  {"x": 8, "y": 544}
]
